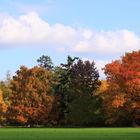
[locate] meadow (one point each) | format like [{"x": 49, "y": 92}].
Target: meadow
[{"x": 70, "y": 134}]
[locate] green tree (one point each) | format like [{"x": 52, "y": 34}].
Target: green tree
[
  {"x": 82, "y": 99},
  {"x": 46, "y": 62},
  {"x": 5, "y": 84},
  {"x": 62, "y": 88},
  {"x": 77, "y": 83}
]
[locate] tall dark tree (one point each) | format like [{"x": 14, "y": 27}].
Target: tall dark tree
[
  {"x": 46, "y": 62},
  {"x": 62, "y": 87},
  {"x": 85, "y": 76},
  {"x": 82, "y": 99},
  {"x": 77, "y": 83}
]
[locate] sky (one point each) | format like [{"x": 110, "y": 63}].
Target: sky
[{"x": 99, "y": 30}]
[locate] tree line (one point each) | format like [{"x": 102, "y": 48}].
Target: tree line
[{"x": 72, "y": 95}]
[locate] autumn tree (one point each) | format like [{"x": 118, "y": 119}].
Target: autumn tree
[
  {"x": 123, "y": 77},
  {"x": 102, "y": 93},
  {"x": 3, "y": 109},
  {"x": 30, "y": 97}
]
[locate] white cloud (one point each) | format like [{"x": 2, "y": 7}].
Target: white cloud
[
  {"x": 109, "y": 42},
  {"x": 87, "y": 34},
  {"x": 31, "y": 29},
  {"x": 82, "y": 46}
]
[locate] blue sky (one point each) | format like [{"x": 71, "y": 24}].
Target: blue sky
[{"x": 100, "y": 30}]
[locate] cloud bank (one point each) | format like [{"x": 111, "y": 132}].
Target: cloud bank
[{"x": 32, "y": 29}]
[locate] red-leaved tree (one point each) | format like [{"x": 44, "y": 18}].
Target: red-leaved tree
[{"x": 123, "y": 77}]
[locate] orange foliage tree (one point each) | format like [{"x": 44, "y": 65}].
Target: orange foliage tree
[
  {"x": 30, "y": 97},
  {"x": 123, "y": 77},
  {"x": 3, "y": 108}
]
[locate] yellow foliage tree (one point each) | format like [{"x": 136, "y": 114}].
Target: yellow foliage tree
[{"x": 3, "y": 108}]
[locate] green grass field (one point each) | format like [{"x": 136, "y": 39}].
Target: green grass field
[{"x": 69, "y": 134}]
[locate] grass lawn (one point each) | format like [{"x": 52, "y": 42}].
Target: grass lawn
[{"x": 69, "y": 134}]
